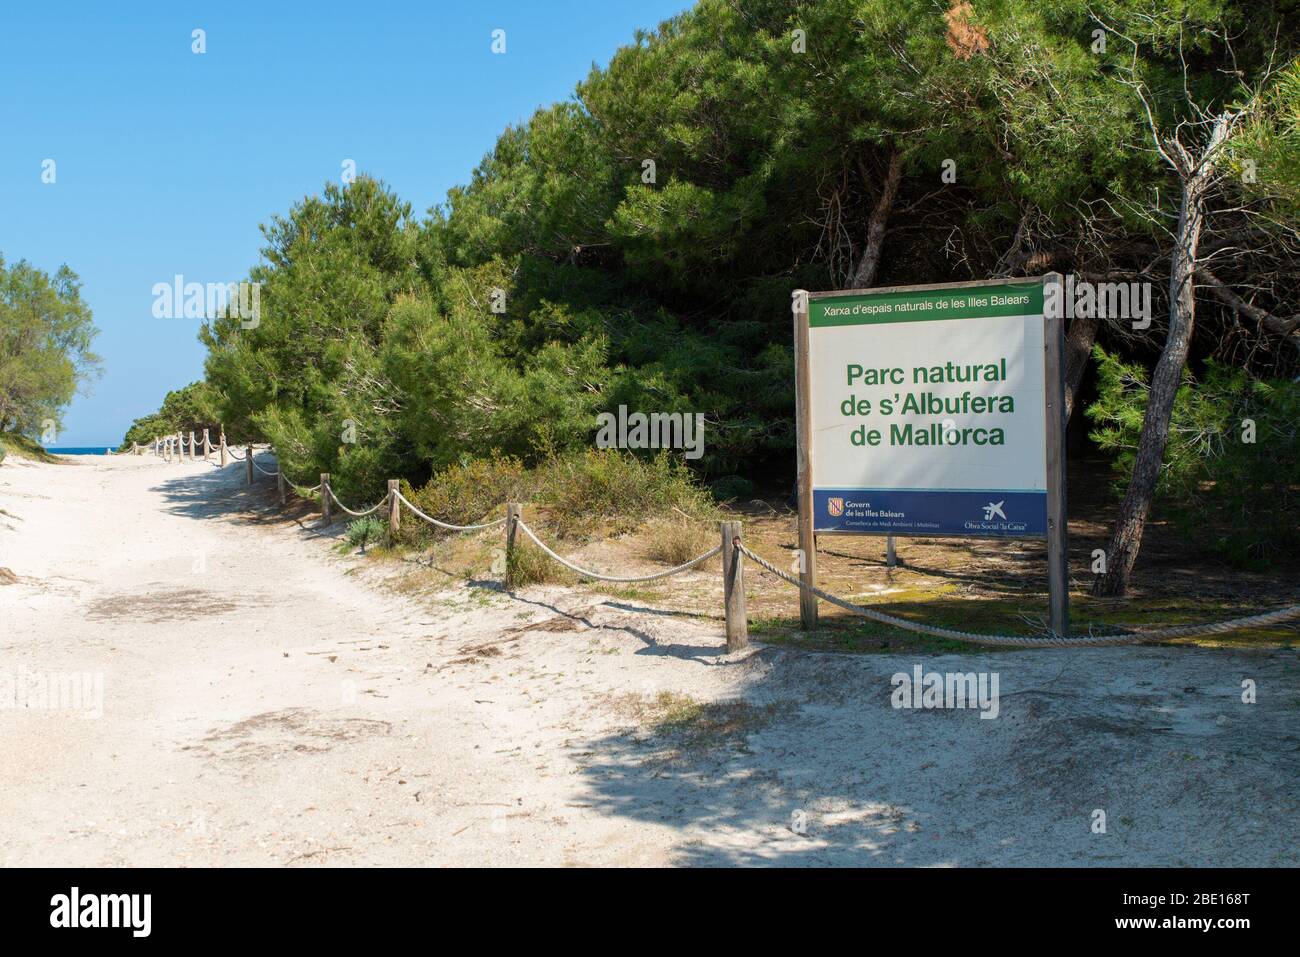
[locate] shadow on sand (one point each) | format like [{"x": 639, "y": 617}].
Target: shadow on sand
[{"x": 224, "y": 494}]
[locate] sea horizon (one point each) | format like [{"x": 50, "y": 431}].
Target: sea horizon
[{"x": 80, "y": 449}]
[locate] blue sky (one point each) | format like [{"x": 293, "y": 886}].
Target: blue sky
[{"x": 168, "y": 161}]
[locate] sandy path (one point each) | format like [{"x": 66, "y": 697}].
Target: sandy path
[{"x": 266, "y": 701}]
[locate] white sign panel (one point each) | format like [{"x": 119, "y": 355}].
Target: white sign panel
[{"x": 927, "y": 411}]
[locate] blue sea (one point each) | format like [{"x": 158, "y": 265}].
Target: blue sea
[{"x": 81, "y": 450}]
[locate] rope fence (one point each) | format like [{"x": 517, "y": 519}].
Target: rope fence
[
  {"x": 587, "y": 573},
  {"x": 453, "y": 528},
  {"x": 733, "y": 551},
  {"x": 1049, "y": 640},
  {"x": 373, "y": 508}
]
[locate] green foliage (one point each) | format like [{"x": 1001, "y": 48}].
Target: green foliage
[
  {"x": 730, "y": 488},
  {"x": 610, "y": 487},
  {"x": 562, "y": 280},
  {"x": 1229, "y": 477},
  {"x": 23, "y": 448},
  {"x": 1266, "y": 156},
  {"x": 576, "y": 492},
  {"x": 308, "y": 377},
  {"x": 467, "y": 493},
  {"x": 183, "y": 410},
  {"x": 366, "y": 531},
  {"x": 464, "y": 393},
  {"x": 46, "y": 331},
  {"x": 529, "y": 565}
]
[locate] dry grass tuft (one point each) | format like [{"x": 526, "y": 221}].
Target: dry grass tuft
[{"x": 676, "y": 540}]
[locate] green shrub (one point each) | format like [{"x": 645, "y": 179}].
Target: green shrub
[
  {"x": 469, "y": 493},
  {"x": 365, "y": 531},
  {"x": 610, "y": 486},
  {"x": 529, "y": 565},
  {"x": 731, "y": 488},
  {"x": 1238, "y": 498},
  {"x": 578, "y": 492},
  {"x": 24, "y": 448}
]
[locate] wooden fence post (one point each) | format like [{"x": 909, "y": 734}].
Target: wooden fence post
[
  {"x": 891, "y": 556},
  {"x": 207, "y": 445},
  {"x": 192, "y": 444},
  {"x": 279, "y": 485},
  {"x": 248, "y": 458},
  {"x": 224, "y": 458},
  {"x": 733, "y": 587},
  {"x": 394, "y": 506},
  {"x": 513, "y": 512},
  {"x": 325, "y": 516}
]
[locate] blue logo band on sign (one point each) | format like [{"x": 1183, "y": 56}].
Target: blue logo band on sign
[{"x": 972, "y": 514}]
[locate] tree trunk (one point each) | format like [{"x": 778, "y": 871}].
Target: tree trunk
[
  {"x": 1078, "y": 346},
  {"x": 1127, "y": 537},
  {"x": 865, "y": 275}
]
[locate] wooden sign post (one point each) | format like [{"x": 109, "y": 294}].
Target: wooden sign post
[
  {"x": 1058, "y": 554},
  {"x": 807, "y": 558}
]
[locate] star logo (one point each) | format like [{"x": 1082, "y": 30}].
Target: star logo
[{"x": 993, "y": 509}]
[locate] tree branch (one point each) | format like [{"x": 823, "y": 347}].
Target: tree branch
[{"x": 1266, "y": 320}]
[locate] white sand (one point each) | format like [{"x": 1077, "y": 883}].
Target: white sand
[{"x": 267, "y": 702}]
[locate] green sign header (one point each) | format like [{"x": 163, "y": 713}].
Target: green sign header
[{"x": 1020, "y": 298}]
